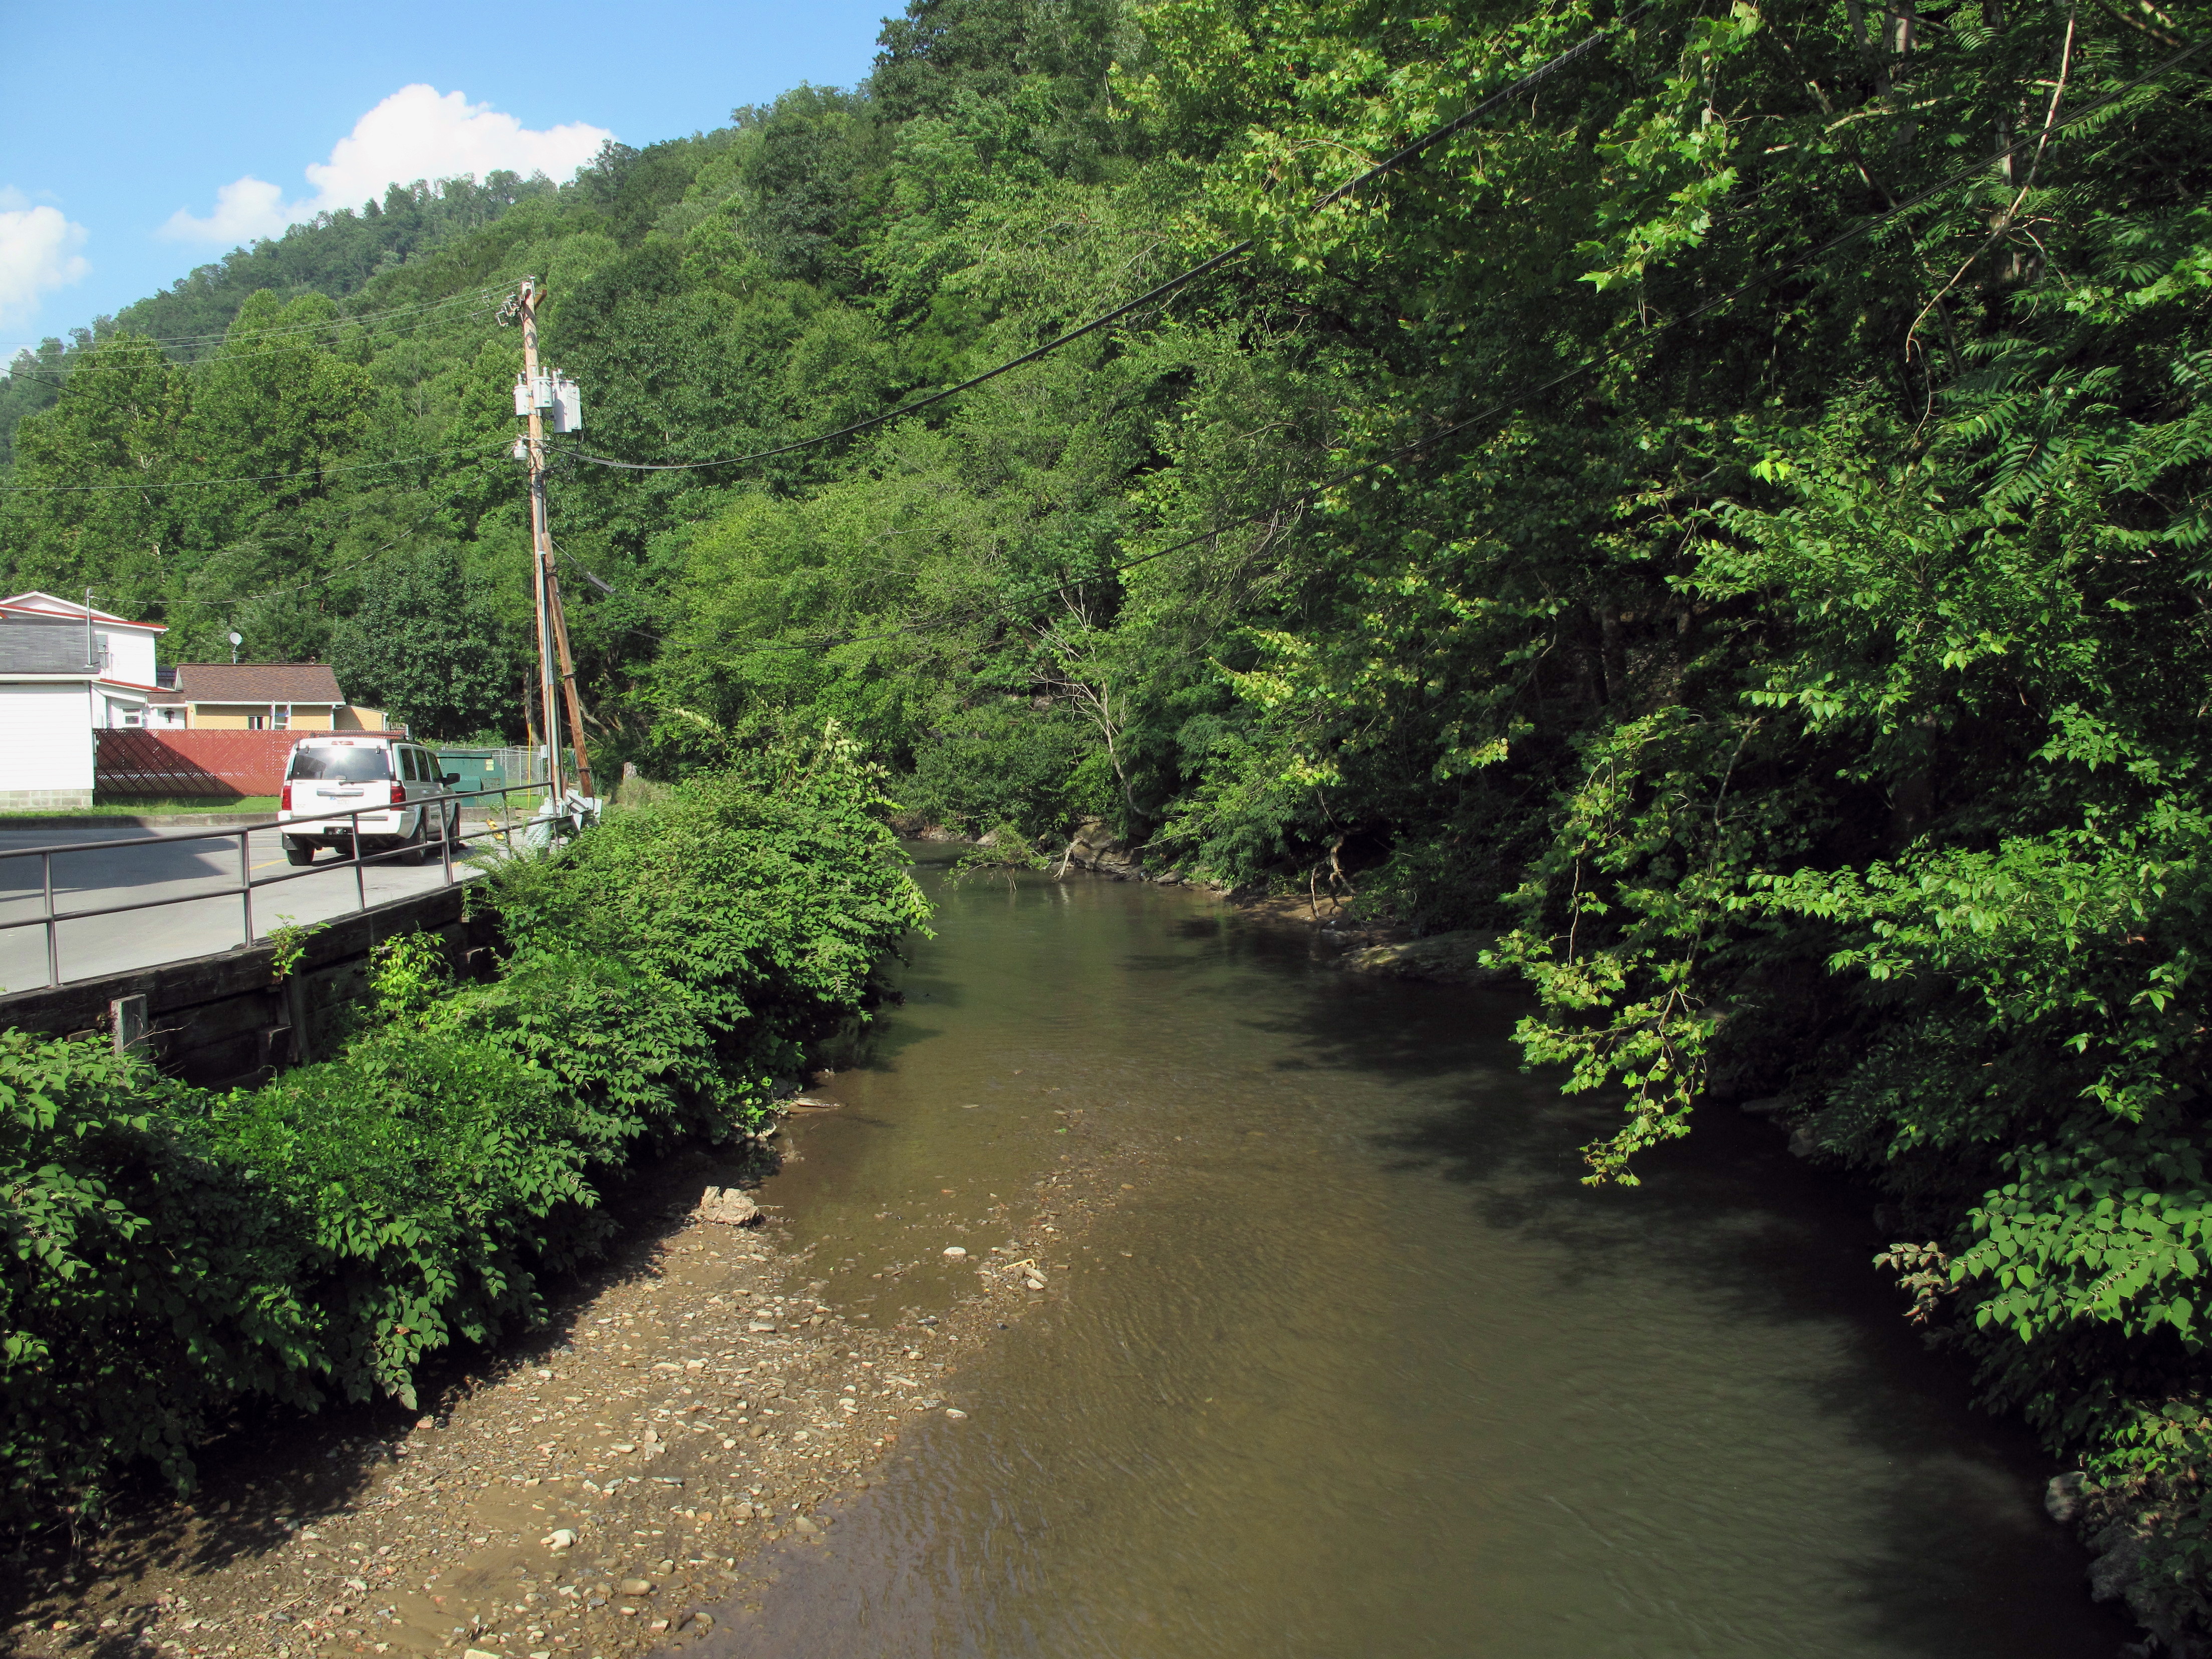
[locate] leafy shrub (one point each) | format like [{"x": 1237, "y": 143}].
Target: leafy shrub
[
  {"x": 1002, "y": 761},
  {"x": 172, "y": 1251}
]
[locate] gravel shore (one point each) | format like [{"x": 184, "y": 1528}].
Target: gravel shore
[{"x": 594, "y": 1489}]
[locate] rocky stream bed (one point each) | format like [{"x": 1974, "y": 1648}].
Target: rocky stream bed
[{"x": 603, "y": 1488}]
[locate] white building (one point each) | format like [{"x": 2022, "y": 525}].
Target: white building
[{"x": 65, "y": 672}]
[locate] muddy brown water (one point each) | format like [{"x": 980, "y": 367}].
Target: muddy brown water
[{"x": 1354, "y": 1365}]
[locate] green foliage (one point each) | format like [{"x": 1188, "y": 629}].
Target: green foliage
[
  {"x": 426, "y": 645},
  {"x": 287, "y": 945},
  {"x": 1801, "y": 661},
  {"x": 172, "y": 1252},
  {"x": 1002, "y": 853}
]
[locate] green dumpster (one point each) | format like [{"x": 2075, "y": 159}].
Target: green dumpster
[{"x": 478, "y": 769}]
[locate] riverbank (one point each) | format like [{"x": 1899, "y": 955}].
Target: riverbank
[
  {"x": 1331, "y": 1353},
  {"x": 692, "y": 1402}
]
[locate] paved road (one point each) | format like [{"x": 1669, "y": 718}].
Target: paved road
[{"x": 140, "y": 938}]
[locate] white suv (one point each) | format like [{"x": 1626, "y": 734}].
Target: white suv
[{"x": 388, "y": 773}]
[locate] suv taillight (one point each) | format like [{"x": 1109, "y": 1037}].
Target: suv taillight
[
  {"x": 399, "y": 794},
  {"x": 285, "y": 804}
]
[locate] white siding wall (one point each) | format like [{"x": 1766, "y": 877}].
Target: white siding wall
[
  {"x": 129, "y": 654},
  {"x": 45, "y": 746}
]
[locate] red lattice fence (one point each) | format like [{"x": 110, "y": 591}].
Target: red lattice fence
[{"x": 140, "y": 762}]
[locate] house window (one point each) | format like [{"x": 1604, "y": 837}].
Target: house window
[
  {"x": 257, "y": 722},
  {"x": 281, "y": 714}
]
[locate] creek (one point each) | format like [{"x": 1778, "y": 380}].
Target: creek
[{"x": 1347, "y": 1361}]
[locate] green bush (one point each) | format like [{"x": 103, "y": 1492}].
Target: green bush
[{"x": 172, "y": 1252}]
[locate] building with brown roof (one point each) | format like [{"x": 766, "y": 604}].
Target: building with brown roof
[{"x": 259, "y": 696}]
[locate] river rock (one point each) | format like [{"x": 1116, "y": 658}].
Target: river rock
[
  {"x": 728, "y": 1205},
  {"x": 637, "y": 1587},
  {"x": 1095, "y": 846},
  {"x": 1454, "y": 958},
  {"x": 2062, "y": 1498},
  {"x": 559, "y": 1538},
  {"x": 955, "y": 1250}
]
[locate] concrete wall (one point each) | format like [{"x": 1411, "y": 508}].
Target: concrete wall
[
  {"x": 45, "y": 746},
  {"x": 223, "y": 1019}
]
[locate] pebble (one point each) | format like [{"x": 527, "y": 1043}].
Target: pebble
[
  {"x": 561, "y": 1538},
  {"x": 955, "y": 1412},
  {"x": 955, "y": 1250},
  {"x": 637, "y": 1587},
  {"x": 805, "y": 1527}
]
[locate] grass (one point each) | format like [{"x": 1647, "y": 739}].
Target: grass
[
  {"x": 131, "y": 807},
  {"x": 520, "y": 806}
]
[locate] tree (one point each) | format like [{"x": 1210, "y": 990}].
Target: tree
[
  {"x": 89, "y": 509},
  {"x": 423, "y": 646}
]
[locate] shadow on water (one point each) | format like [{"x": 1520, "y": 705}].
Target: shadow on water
[{"x": 1763, "y": 1242}]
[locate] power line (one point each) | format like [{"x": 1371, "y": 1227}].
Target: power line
[
  {"x": 1615, "y": 353},
  {"x": 1866, "y": 227},
  {"x": 221, "y": 336},
  {"x": 1159, "y": 291},
  {"x": 61, "y": 374},
  {"x": 260, "y": 477},
  {"x": 323, "y": 580},
  {"x": 904, "y": 410}
]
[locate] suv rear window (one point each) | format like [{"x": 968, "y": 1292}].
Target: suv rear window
[{"x": 342, "y": 765}]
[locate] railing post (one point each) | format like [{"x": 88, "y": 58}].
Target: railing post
[
  {"x": 53, "y": 945},
  {"x": 246, "y": 881},
  {"x": 445, "y": 842},
  {"x": 360, "y": 873}
]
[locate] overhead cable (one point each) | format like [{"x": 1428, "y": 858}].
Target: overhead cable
[
  {"x": 61, "y": 373},
  {"x": 260, "y": 477},
  {"x": 220, "y": 336},
  {"x": 1865, "y": 227},
  {"x": 1157, "y": 292},
  {"x": 323, "y": 580},
  {"x": 1615, "y": 353}
]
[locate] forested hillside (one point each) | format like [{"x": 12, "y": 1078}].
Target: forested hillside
[{"x": 1730, "y": 516}]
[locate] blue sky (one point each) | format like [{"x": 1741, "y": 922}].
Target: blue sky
[{"x": 137, "y": 141}]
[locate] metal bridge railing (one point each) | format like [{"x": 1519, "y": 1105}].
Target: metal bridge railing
[{"x": 501, "y": 833}]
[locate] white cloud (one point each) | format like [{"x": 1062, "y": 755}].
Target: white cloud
[
  {"x": 246, "y": 209},
  {"x": 38, "y": 252},
  {"x": 419, "y": 132}
]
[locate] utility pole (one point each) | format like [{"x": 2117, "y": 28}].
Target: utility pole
[
  {"x": 533, "y": 397},
  {"x": 540, "y": 541}
]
